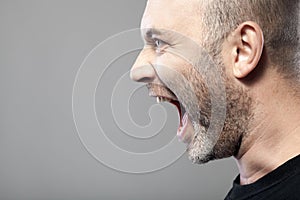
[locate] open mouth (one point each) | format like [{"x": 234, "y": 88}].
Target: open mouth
[
  {"x": 184, "y": 122},
  {"x": 185, "y": 130},
  {"x": 180, "y": 108}
]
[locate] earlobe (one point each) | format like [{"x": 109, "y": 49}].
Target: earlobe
[{"x": 249, "y": 48}]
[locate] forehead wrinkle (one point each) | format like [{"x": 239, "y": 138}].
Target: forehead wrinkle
[
  {"x": 181, "y": 16},
  {"x": 166, "y": 13}
]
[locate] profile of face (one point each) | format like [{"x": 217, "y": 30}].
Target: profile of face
[{"x": 214, "y": 111}]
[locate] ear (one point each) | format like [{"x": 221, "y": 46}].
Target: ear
[{"x": 248, "y": 44}]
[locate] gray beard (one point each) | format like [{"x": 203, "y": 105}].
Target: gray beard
[
  {"x": 239, "y": 114},
  {"x": 201, "y": 148}
]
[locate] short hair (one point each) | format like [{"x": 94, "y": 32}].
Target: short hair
[{"x": 278, "y": 19}]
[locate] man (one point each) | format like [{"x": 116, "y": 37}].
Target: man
[{"x": 249, "y": 47}]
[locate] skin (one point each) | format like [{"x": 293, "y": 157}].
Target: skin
[{"x": 261, "y": 129}]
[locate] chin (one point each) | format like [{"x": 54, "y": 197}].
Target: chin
[
  {"x": 203, "y": 149},
  {"x": 200, "y": 149}
]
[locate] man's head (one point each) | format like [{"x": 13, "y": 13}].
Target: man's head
[{"x": 195, "y": 47}]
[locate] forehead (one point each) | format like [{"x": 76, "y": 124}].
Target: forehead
[{"x": 176, "y": 15}]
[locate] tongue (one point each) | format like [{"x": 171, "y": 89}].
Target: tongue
[
  {"x": 182, "y": 127},
  {"x": 184, "y": 123},
  {"x": 177, "y": 104}
]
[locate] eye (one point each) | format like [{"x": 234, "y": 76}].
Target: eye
[{"x": 159, "y": 45}]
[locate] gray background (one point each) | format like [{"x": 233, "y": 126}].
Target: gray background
[{"x": 42, "y": 45}]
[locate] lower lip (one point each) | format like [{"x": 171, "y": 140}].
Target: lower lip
[{"x": 182, "y": 131}]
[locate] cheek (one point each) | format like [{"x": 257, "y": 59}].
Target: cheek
[
  {"x": 171, "y": 66},
  {"x": 182, "y": 77}
]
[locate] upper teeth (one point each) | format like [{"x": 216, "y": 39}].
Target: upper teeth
[{"x": 161, "y": 99}]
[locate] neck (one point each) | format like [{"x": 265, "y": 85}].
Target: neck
[{"x": 275, "y": 138}]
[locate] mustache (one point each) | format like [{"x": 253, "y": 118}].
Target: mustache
[{"x": 160, "y": 90}]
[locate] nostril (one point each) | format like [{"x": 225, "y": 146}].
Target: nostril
[
  {"x": 143, "y": 74},
  {"x": 145, "y": 80}
]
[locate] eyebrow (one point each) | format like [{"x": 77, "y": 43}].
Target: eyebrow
[{"x": 149, "y": 32}]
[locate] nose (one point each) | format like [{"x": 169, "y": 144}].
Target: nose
[{"x": 142, "y": 70}]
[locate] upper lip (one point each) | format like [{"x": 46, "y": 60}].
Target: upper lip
[{"x": 161, "y": 91}]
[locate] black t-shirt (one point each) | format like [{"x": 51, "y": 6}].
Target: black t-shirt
[{"x": 281, "y": 184}]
